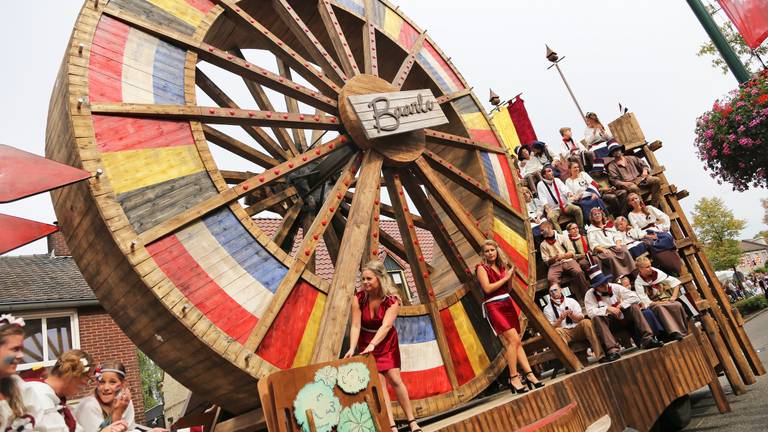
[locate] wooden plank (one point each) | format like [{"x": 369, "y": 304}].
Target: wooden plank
[
  {"x": 280, "y": 48},
  {"x": 437, "y": 137},
  {"x": 239, "y": 148},
  {"x": 419, "y": 269},
  {"x": 241, "y": 190},
  {"x": 286, "y": 227},
  {"x": 299, "y": 139},
  {"x": 305, "y": 252},
  {"x": 714, "y": 384},
  {"x": 309, "y": 42},
  {"x": 271, "y": 200},
  {"x": 370, "y": 61},
  {"x": 338, "y": 38},
  {"x": 228, "y": 61},
  {"x": 407, "y": 65},
  {"x": 217, "y": 115},
  {"x": 450, "y": 97},
  {"x": 336, "y": 311}
]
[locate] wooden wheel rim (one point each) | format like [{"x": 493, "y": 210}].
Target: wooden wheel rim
[{"x": 137, "y": 270}]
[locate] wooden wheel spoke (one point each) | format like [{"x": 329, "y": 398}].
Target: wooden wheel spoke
[
  {"x": 455, "y": 211},
  {"x": 264, "y": 104},
  {"x": 281, "y": 49},
  {"x": 238, "y": 147},
  {"x": 235, "y": 177},
  {"x": 338, "y": 39},
  {"x": 468, "y": 182},
  {"x": 305, "y": 252},
  {"x": 442, "y": 138},
  {"x": 272, "y": 200},
  {"x": 450, "y": 97},
  {"x": 217, "y": 115},
  {"x": 439, "y": 232},
  {"x": 370, "y": 58},
  {"x": 298, "y": 136},
  {"x": 388, "y": 211},
  {"x": 287, "y": 231},
  {"x": 229, "y": 62},
  {"x": 372, "y": 246},
  {"x": 220, "y": 98},
  {"x": 264, "y": 179},
  {"x": 308, "y": 40},
  {"x": 419, "y": 269},
  {"x": 407, "y": 65},
  {"x": 336, "y": 311}
]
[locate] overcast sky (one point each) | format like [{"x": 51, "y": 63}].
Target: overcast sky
[{"x": 639, "y": 53}]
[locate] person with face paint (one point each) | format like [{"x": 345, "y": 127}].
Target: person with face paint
[
  {"x": 373, "y": 332},
  {"x": 608, "y": 304},
  {"x": 494, "y": 274},
  {"x": 565, "y": 315},
  {"x": 46, "y": 400},
  {"x": 12, "y": 410}
]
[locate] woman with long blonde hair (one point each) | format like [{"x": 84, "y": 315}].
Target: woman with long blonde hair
[
  {"x": 494, "y": 274},
  {"x": 373, "y": 317},
  {"x": 11, "y": 354}
]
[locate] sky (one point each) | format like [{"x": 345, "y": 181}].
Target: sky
[{"x": 638, "y": 53}]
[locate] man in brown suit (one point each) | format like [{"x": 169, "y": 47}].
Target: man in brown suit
[{"x": 631, "y": 173}]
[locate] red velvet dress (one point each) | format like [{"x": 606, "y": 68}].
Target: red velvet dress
[
  {"x": 387, "y": 352},
  {"x": 501, "y": 313}
]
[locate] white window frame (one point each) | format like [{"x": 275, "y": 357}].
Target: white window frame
[
  {"x": 44, "y": 316},
  {"x": 407, "y": 289}
]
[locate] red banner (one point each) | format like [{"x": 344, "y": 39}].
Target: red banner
[
  {"x": 522, "y": 122},
  {"x": 750, "y": 17}
]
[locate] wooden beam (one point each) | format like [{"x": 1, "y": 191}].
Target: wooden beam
[
  {"x": 264, "y": 104},
  {"x": 235, "y": 177},
  {"x": 465, "y": 180},
  {"x": 239, "y": 148},
  {"x": 370, "y": 57},
  {"x": 220, "y": 98},
  {"x": 442, "y": 138},
  {"x": 264, "y": 179},
  {"x": 450, "y": 97},
  {"x": 419, "y": 270},
  {"x": 271, "y": 201},
  {"x": 303, "y": 255},
  {"x": 287, "y": 226},
  {"x": 336, "y": 311},
  {"x": 372, "y": 245},
  {"x": 308, "y": 40},
  {"x": 338, "y": 39},
  {"x": 407, "y": 65},
  {"x": 217, "y": 115},
  {"x": 299, "y": 138},
  {"x": 281, "y": 49},
  {"x": 228, "y": 61},
  {"x": 388, "y": 211}
]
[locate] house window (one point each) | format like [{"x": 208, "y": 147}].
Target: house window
[
  {"x": 47, "y": 335},
  {"x": 397, "y": 274}
]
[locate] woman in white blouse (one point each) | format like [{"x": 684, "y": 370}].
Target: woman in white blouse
[
  {"x": 601, "y": 235},
  {"x": 584, "y": 188},
  {"x": 529, "y": 168},
  {"x": 597, "y": 138},
  {"x": 656, "y": 224}
]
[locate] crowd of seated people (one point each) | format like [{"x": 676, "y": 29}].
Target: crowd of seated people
[{"x": 616, "y": 255}]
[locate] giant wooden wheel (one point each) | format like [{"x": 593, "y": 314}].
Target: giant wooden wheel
[{"x": 166, "y": 238}]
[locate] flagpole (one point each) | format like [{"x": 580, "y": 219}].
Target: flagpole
[
  {"x": 726, "y": 51},
  {"x": 555, "y": 59}
]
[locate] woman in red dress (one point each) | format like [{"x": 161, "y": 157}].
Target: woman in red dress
[
  {"x": 494, "y": 273},
  {"x": 373, "y": 318}
]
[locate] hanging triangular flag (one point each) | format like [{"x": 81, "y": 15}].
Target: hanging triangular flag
[
  {"x": 16, "y": 232},
  {"x": 23, "y": 174}
]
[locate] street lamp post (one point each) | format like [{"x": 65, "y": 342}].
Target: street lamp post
[{"x": 555, "y": 59}]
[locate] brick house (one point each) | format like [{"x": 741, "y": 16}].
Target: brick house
[
  {"x": 754, "y": 254},
  {"x": 51, "y": 295}
]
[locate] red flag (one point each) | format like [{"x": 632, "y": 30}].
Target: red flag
[
  {"x": 750, "y": 17},
  {"x": 23, "y": 174},
  {"x": 521, "y": 121},
  {"x": 16, "y": 232}
]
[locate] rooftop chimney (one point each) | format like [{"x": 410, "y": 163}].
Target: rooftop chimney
[{"x": 57, "y": 245}]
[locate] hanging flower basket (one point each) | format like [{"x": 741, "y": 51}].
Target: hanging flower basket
[{"x": 732, "y": 138}]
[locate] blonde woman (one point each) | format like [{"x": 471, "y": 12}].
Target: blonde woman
[
  {"x": 46, "y": 400},
  {"x": 11, "y": 353},
  {"x": 494, "y": 273},
  {"x": 373, "y": 332}
]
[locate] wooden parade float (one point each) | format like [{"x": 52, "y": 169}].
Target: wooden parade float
[{"x": 166, "y": 237}]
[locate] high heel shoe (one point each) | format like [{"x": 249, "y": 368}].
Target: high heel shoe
[
  {"x": 414, "y": 430},
  {"x": 514, "y": 389},
  {"x": 531, "y": 385}
]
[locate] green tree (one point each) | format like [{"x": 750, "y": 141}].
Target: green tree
[
  {"x": 151, "y": 381},
  {"x": 733, "y": 37},
  {"x": 718, "y": 229},
  {"x": 764, "y": 203}
]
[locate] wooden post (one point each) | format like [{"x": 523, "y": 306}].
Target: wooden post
[{"x": 714, "y": 386}]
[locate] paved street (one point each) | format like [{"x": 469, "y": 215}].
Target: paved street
[{"x": 750, "y": 410}]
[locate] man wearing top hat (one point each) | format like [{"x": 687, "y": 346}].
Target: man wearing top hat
[
  {"x": 609, "y": 304},
  {"x": 631, "y": 173}
]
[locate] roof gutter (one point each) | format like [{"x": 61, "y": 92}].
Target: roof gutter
[{"x": 47, "y": 305}]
